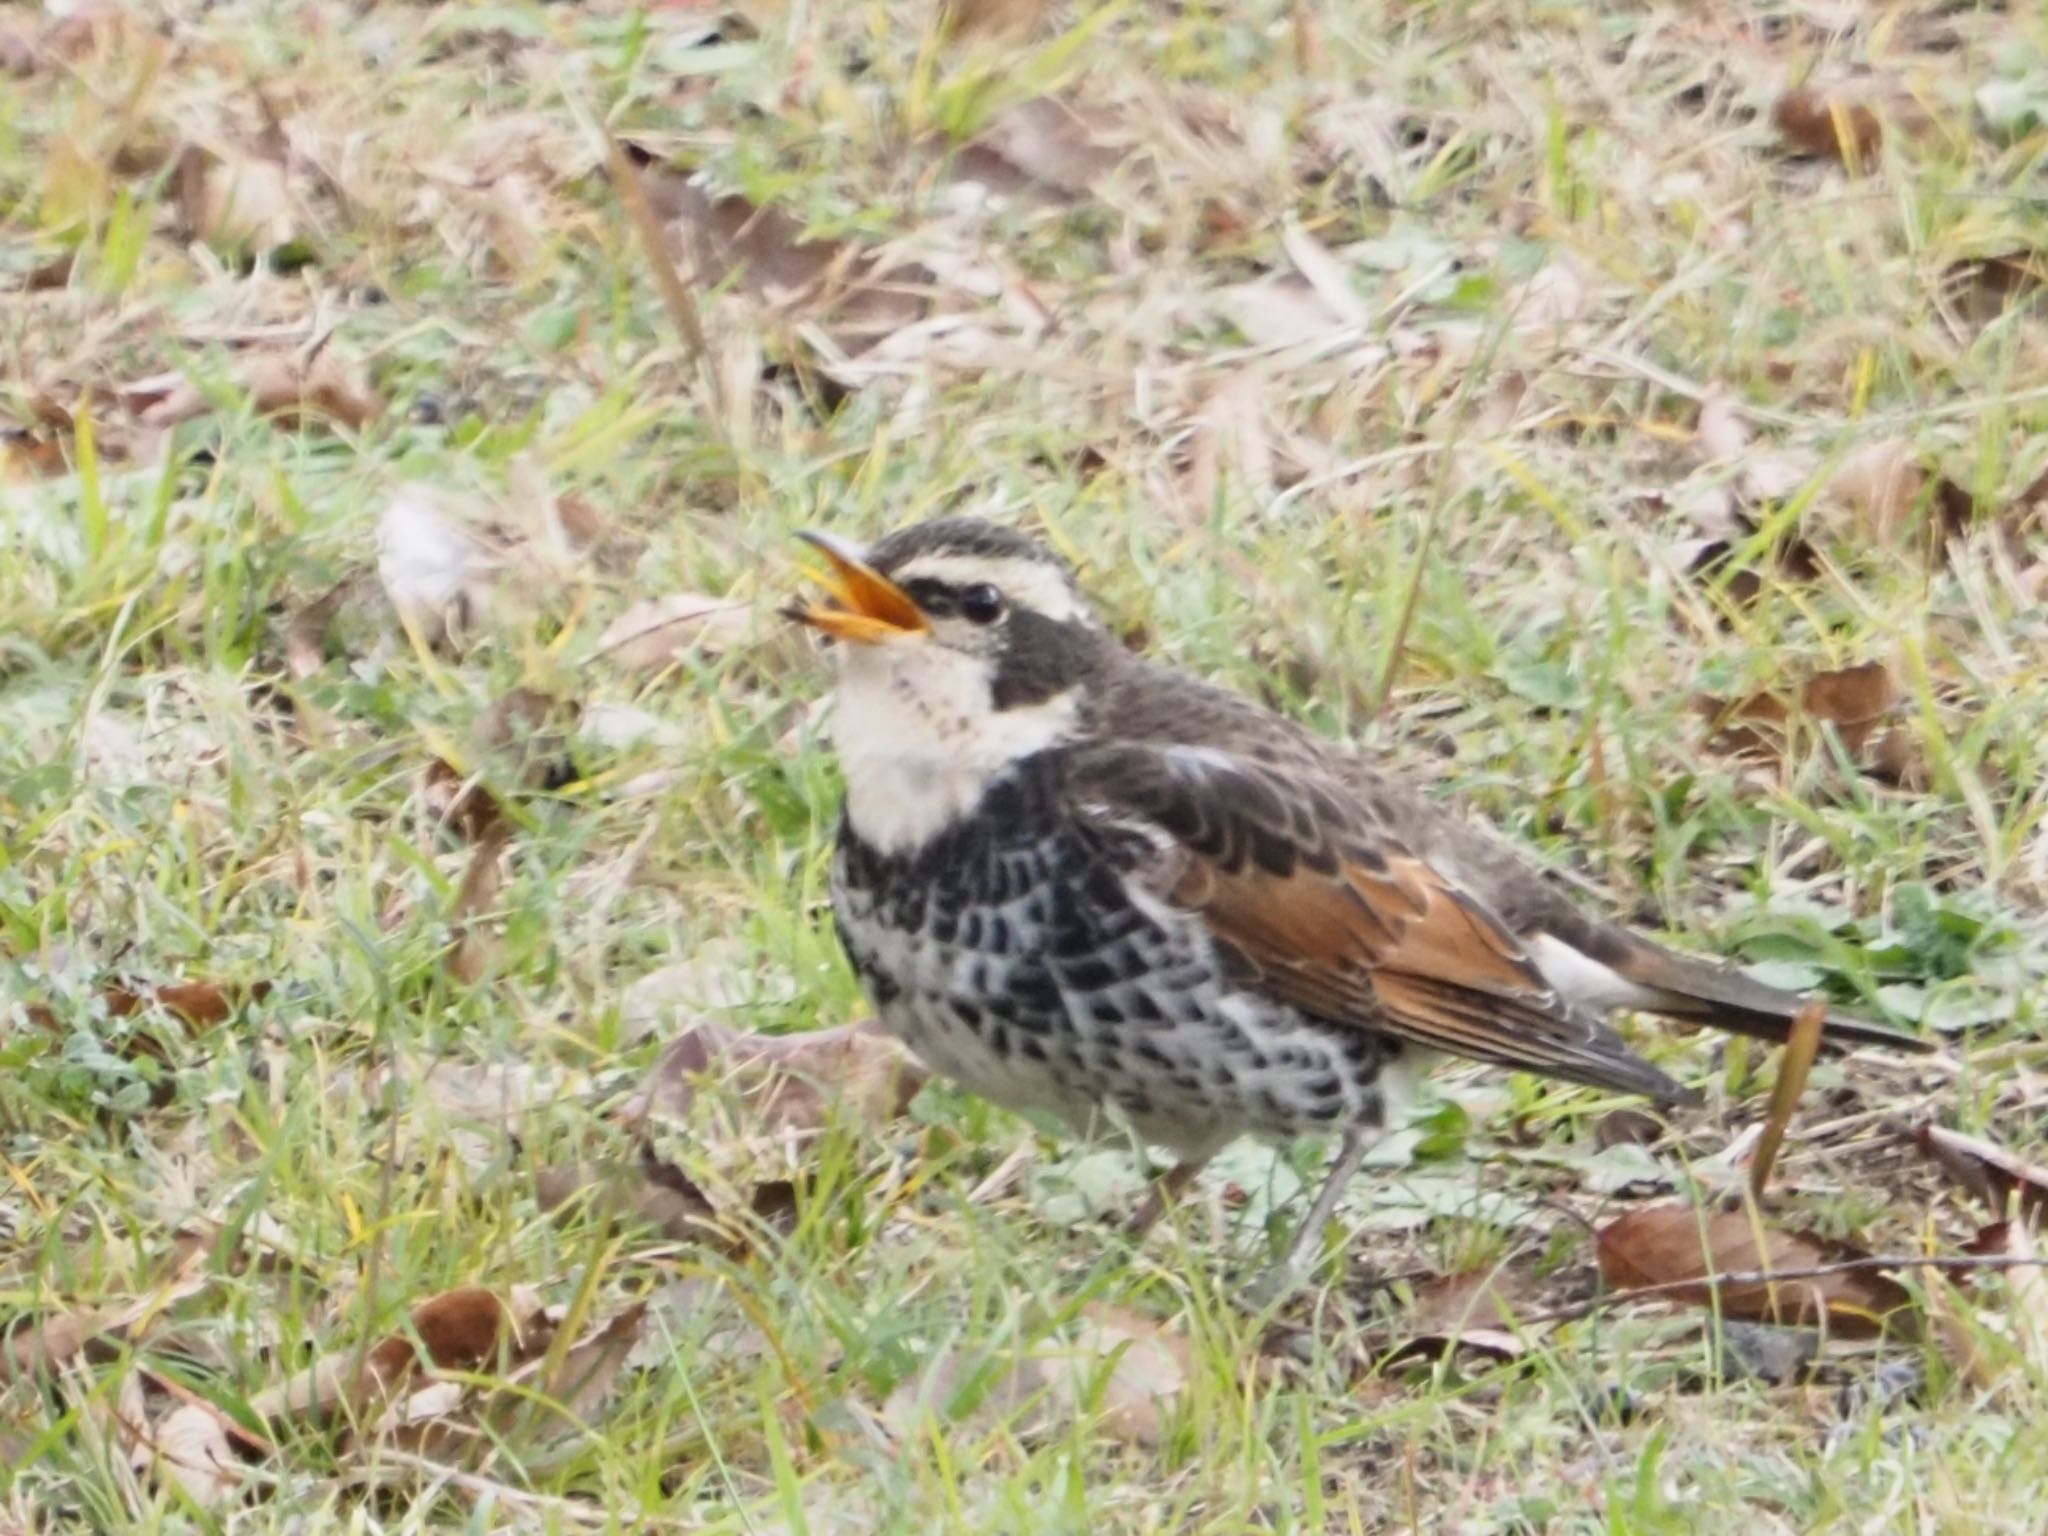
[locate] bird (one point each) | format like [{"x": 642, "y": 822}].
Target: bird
[{"x": 1079, "y": 881}]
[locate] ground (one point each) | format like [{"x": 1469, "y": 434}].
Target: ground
[{"x": 1630, "y": 420}]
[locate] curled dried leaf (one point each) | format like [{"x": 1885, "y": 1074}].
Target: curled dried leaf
[
  {"x": 1469, "y": 1310},
  {"x": 1856, "y": 703},
  {"x": 1991, "y": 1173},
  {"x": 655, "y": 631},
  {"x": 191, "y": 1448},
  {"x": 289, "y": 387},
  {"x": 667, "y": 1199},
  {"x": 1682, "y": 1252},
  {"x": 235, "y": 202},
  {"x": 1985, "y": 287},
  {"x": 1834, "y": 125},
  {"x": 861, "y": 294},
  {"x": 1138, "y": 1367},
  {"x": 475, "y": 949},
  {"x": 994, "y": 20},
  {"x": 785, "y": 1083}
]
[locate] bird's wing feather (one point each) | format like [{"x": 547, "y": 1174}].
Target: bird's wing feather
[{"x": 1324, "y": 909}]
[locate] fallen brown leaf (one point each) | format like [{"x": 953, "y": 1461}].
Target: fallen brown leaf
[
  {"x": 39, "y": 1348},
  {"x": 1834, "y": 125},
  {"x": 1006, "y": 20},
  {"x": 858, "y": 294},
  {"x": 1857, "y": 703},
  {"x": 1986, "y": 1350},
  {"x": 1886, "y": 491},
  {"x": 1682, "y": 1248},
  {"x": 466, "y": 1329},
  {"x": 458, "y": 1330},
  {"x": 1468, "y": 1310},
  {"x": 786, "y": 1083},
  {"x": 662, "y": 1195},
  {"x": 190, "y": 1448},
  {"x": 19, "y": 55},
  {"x": 1985, "y": 287},
  {"x": 1995, "y": 1176},
  {"x": 548, "y": 1395},
  {"x": 236, "y": 203},
  {"x": 1720, "y": 432},
  {"x": 1138, "y": 1367},
  {"x": 199, "y": 1003},
  {"x": 196, "y": 1004},
  {"x": 462, "y": 802},
  {"x": 1044, "y": 146},
  {"x": 524, "y": 735},
  {"x": 474, "y": 949},
  {"x": 655, "y": 631},
  {"x": 2027, "y": 1283},
  {"x": 290, "y": 387}
]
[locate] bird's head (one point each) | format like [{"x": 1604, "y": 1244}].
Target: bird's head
[{"x": 960, "y": 646}]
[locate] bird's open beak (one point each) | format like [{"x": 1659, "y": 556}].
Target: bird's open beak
[{"x": 867, "y": 608}]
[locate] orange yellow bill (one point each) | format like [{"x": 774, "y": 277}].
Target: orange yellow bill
[{"x": 867, "y": 608}]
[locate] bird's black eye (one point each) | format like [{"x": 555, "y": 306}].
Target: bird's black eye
[{"x": 981, "y": 604}]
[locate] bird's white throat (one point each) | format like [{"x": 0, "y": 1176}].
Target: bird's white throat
[{"x": 919, "y": 740}]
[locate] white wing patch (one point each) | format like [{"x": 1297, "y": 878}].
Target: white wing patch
[{"x": 1585, "y": 981}]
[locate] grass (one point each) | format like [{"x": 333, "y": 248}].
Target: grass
[{"x": 1563, "y": 231}]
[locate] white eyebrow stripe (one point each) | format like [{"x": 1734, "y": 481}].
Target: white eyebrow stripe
[{"x": 1028, "y": 583}]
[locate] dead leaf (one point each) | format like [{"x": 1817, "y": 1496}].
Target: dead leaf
[
  {"x": 667, "y": 1199},
  {"x": 468, "y": 1329},
  {"x": 1995, "y": 1176},
  {"x": 475, "y": 950},
  {"x": 1468, "y": 1310},
  {"x": 1985, "y": 287},
  {"x": 860, "y": 295},
  {"x": 1674, "y": 1244},
  {"x": 458, "y": 1330},
  {"x": 36, "y": 1349},
  {"x": 1834, "y": 124},
  {"x": 528, "y": 731},
  {"x": 190, "y": 1447},
  {"x": 462, "y": 802},
  {"x": 196, "y": 1004},
  {"x": 1988, "y": 1350},
  {"x": 655, "y": 631},
  {"x": 993, "y": 20},
  {"x": 1721, "y": 432},
  {"x": 1039, "y": 1389},
  {"x": 1857, "y": 703},
  {"x": 656, "y": 1192},
  {"x": 1885, "y": 487},
  {"x": 785, "y": 1083},
  {"x": 19, "y": 55},
  {"x": 1042, "y": 146},
  {"x": 1151, "y": 1369},
  {"x": 544, "y": 1398},
  {"x": 2027, "y": 1284},
  {"x": 289, "y": 387},
  {"x": 236, "y": 203},
  {"x": 199, "y": 1003}
]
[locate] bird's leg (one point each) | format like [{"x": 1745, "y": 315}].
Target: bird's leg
[
  {"x": 1285, "y": 1273},
  {"x": 1166, "y": 1189}
]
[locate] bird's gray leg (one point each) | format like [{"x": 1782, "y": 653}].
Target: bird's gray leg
[
  {"x": 1166, "y": 1189},
  {"x": 1286, "y": 1272}
]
